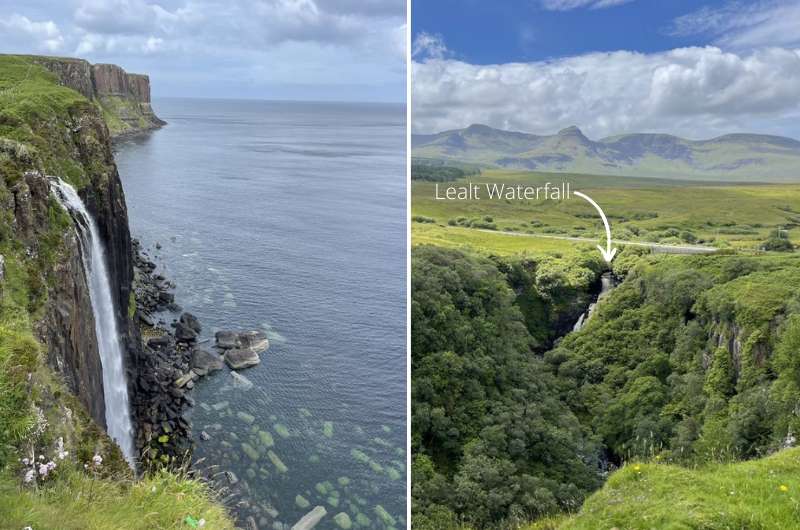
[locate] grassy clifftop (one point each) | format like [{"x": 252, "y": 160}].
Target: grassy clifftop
[{"x": 758, "y": 494}]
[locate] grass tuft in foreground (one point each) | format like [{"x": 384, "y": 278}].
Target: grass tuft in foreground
[
  {"x": 757, "y": 494},
  {"x": 77, "y": 501}
]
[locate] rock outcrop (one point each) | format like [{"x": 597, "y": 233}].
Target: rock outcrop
[{"x": 124, "y": 97}]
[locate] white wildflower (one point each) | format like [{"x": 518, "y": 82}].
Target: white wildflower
[
  {"x": 29, "y": 476},
  {"x": 201, "y": 523},
  {"x": 43, "y": 470},
  {"x": 60, "y": 449},
  {"x": 97, "y": 460},
  {"x": 26, "y": 461}
]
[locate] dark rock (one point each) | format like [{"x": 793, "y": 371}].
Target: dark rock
[
  {"x": 238, "y": 358},
  {"x": 231, "y": 476},
  {"x": 190, "y": 321},
  {"x": 159, "y": 342},
  {"x": 147, "y": 319},
  {"x": 205, "y": 360},
  {"x": 227, "y": 339},
  {"x": 184, "y": 333}
]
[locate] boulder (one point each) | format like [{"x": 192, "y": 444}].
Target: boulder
[
  {"x": 147, "y": 319},
  {"x": 311, "y": 519},
  {"x": 254, "y": 340},
  {"x": 184, "y": 379},
  {"x": 159, "y": 342},
  {"x": 184, "y": 333},
  {"x": 205, "y": 361},
  {"x": 227, "y": 340},
  {"x": 190, "y": 321},
  {"x": 166, "y": 298},
  {"x": 238, "y": 358}
]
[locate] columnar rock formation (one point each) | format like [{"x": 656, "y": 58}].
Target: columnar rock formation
[{"x": 126, "y": 97}]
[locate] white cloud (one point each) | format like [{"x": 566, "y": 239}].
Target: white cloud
[
  {"x": 744, "y": 25},
  {"x": 328, "y": 42},
  {"x": 567, "y": 5},
  {"x": 44, "y": 35},
  {"x": 696, "y": 92},
  {"x": 427, "y": 46}
]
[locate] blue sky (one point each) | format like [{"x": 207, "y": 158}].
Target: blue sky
[
  {"x": 264, "y": 49},
  {"x": 694, "y": 68},
  {"x": 524, "y": 30}
]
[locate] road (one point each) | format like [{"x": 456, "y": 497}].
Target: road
[{"x": 656, "y": 247}]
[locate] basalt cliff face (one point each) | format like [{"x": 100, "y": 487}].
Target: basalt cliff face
[
  {"x": 123, "y": 97},
  {"x": 53, "y": 127}
]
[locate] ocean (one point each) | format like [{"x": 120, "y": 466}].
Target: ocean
[{"x": 289, "y": 217}]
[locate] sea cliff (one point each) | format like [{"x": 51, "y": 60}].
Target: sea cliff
[
  {"x": 123, "y": 97},
  {"x": 56, "y": 118}
]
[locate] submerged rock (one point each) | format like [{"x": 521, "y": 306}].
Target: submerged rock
[
  {"x": 241, "y": 382},
  {"x": 343, "y": 520},
  {"x": 239, "y": 359},
  {"x": 311, "y": 519}
]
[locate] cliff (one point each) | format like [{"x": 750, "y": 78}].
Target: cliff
[
  {"x": 49, "y": 129},
  {"x": 124, "y": 98}
]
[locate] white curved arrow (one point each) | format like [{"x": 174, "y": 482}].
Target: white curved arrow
[{"x": 608, "y": 252}]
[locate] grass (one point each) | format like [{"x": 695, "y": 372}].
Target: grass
[
  {"x": 753, "y": 495},
  {"x": 726, "y": 216},
  {"x": 77, "y": 501},
  {"x": 487, "y": 242},
  {"x": 37, "y": 115}
]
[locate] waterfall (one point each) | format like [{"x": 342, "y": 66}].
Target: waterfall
[
  {"x": 606, "y": 284},
  {"x": 115, "y": 388}
]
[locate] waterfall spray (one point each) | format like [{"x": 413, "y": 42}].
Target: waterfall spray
[{"x": 115, "y": 388}]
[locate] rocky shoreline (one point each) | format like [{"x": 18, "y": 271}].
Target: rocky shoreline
[{"x": 172, "y": 358}]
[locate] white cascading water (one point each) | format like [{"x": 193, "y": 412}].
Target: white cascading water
[{"x": 115, "y": 388}]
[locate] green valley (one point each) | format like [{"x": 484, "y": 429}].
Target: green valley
[{"x": 682, "y": 383}]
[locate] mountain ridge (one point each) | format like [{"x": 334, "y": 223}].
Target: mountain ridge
[{"x": 733, "y": 157}]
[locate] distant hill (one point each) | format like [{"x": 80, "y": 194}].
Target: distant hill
[{"x": 733, "y": 157}]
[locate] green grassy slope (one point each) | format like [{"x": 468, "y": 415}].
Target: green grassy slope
[{"x": 754, "y": 495}]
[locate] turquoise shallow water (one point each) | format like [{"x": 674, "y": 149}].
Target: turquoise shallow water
[{"x": 289, "y": 217}]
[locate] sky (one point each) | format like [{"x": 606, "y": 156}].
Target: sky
[
  {"x": 322, "y": 50},
  {"x": 697, "y": 68}
]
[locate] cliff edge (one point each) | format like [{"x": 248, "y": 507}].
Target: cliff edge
[{"x": 124, "y": 98}]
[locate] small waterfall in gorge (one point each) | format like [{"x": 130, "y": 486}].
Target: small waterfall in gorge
[
  {"x": 115, "y": 388},
  {"x": 606, "y": 283}
]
